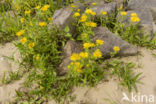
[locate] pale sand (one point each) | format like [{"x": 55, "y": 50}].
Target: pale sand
[{"x": 105, "y": 90}]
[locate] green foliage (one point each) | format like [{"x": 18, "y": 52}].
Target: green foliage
[
  {"x": 8, "y": 26},
  {"x": 125, "y": 74},
  {"x": 130, "y": 33}
]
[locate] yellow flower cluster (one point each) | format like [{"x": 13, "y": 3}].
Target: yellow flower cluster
[
  {"x": 123, "y": 13},
  {"x": 42, "y": 24},
  {"x": 45, "y": 8},
  {"x": 91, "y": 24},
  {"x": 83, "y": 18},
  {"x": 99, "y": 42},
  {"x": 116, "y": 48},
  {"x": 88, "y": 45},
  {"x": 97, "y": 54},
  {"x": 134, "y": 17},
  {"x": 23, "y": 40},
  {"x": 21, "y": 32},
  {"x": 77, "y": 66},
  {"x": 89, "y": 11}
]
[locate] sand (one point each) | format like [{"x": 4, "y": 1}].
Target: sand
[{"x": 104, "y": 93}]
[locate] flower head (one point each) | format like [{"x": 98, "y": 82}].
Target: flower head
[
  {"x": 42, "y": 24},
  {"x": 75, "y": 57},
  {"x": 30, "y": 23},
  {"x": 27, "y": 12},
  {"x": 116, "y": 48},
  {"x": 97, "y": 54},
  {"x": 99, "y": 42},
  {"x": 93, "y": 13},
  {"x": 23, "y": 40},
  {"x": 37, "y": 56},
  {"x": 88, "y": 45},
  {"x": 88, "y": 11},
  {"x": 38, "y": 7},
  {"x": 73, "y": 6},
  {"x": 83, "y": 18},
  {"x": 50, "y": 19},
  {"x": 135, "y": 19},
  {"x": 77, "y": 14},
  {"x": 94, "y": 4},
  {"x": 84, "y": 35},
  {"x": 134, "y": 15},
  {"x": 31, "y": 45},
  {"x": 78, "y": 10},
  {"x": 45, "y": 8},
  {"x": 104, "y": 13},
  {"x": 123, "y": 13},
  {"x": 22, "y": 20},
  {"x": 83, "y": 55},
  {"x": 91, "y": 24},
  {"x": 21, "y": 32}
]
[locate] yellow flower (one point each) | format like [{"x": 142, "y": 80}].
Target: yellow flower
[
  {"x": 75, "y": 57},
  {"x": 92, "y": 45},
  {"x": 23, "y": 40},
  {"x": 88, "y": 45},
  {"x": 93, "y": 4},
  {"x": 73, "y": 6},
  {"x": 21, "y": 32},
  {"x": 116, "y": 48},
  {"x": 88, "y": 11},
  {"x": 93, "y": 13},
  {"x": 79, "y": 70},
  {"x": 42, "y": 24},
  {"x": 135, "y": 19},
  {"x": 31, "y": 24},
  {"x": 78, "y": 10},
  {"x": 104, "y": 13},
  {"x": 77, "y": 14},
  {"x": 121, "y": 7},
  {"x": 123, "y": 13},
  {"x": 45, "y": 8},
  {"x": 31, "y": 45},
  {"x": 83, "y": 18},
  {"x": 38, "y": 7},
  {"x": 37, "y": 56},
  {"x": 50, "y": 19},
  {"x": 134, "y": 15},
  {"x": 91, "y": 24},
  {"x": 84, "y": 35},
  {"x": 97, "y": 54},
  {"x": 27, "y": 12},
  {"x": 99, "y": 42},
  {"x": 22, "y": 20},
  {"x": 87, "y": 65},
  {"x": 84, "y": 55}
]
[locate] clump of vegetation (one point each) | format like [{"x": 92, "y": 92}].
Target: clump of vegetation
[
  {"x": 41, "y": 51},
  {"x": 132, "y": 33}
]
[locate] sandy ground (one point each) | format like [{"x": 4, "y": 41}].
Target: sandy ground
[
  {"x": 104, "y": 93},
  {"x": 7, "y": 92}
]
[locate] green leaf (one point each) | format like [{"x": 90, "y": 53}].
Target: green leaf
[{"x": 67, "y": 29}]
